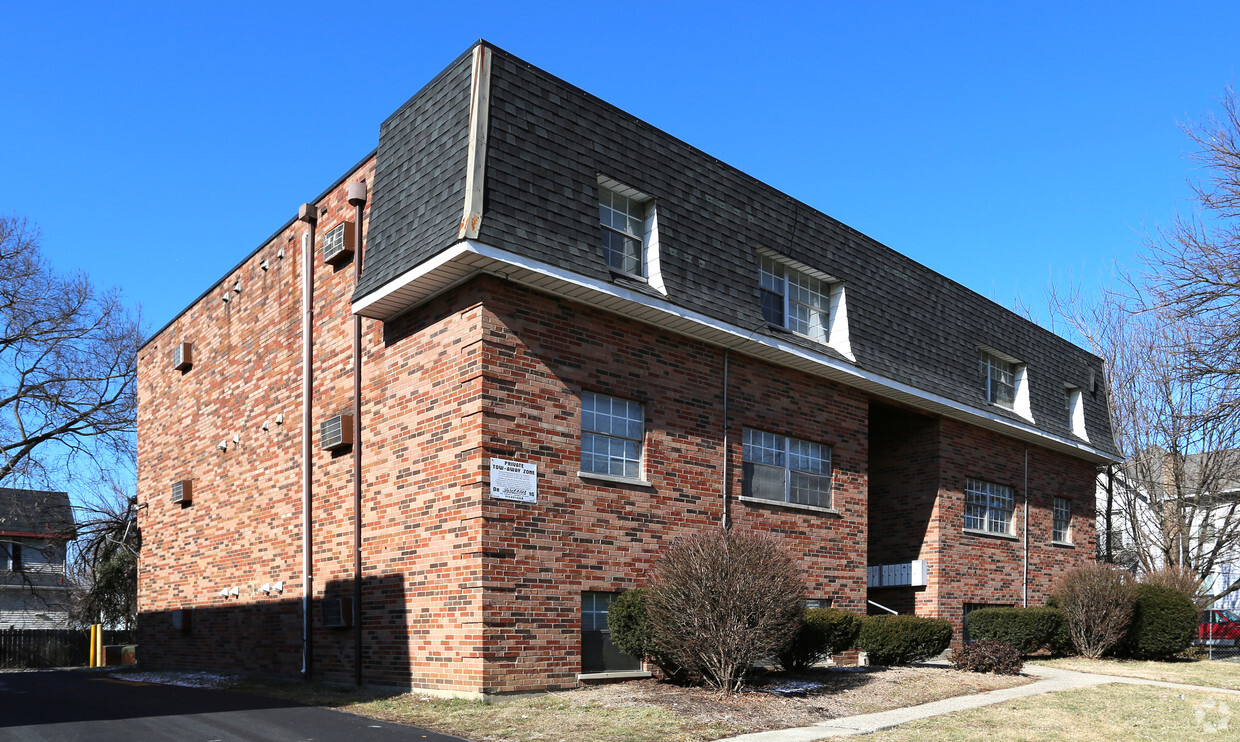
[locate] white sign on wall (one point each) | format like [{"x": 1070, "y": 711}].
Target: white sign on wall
[{"x": 514, "y": 480}]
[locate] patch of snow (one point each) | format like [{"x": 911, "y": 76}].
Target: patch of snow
[
  {"x": 790, "y": 688},
  {"x": 185, "y": 679}
]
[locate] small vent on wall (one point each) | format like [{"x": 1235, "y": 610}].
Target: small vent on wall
[
  {"x": 338, "y": 244},
  {"x": 183, "y": 492},
  {"x": 336, "y": 433},
  {"x": 183, "y": 356},
  {"x": 337, "y": 613}
]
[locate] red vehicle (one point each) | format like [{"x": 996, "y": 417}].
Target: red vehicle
[{"x": 1219, "y": 628}]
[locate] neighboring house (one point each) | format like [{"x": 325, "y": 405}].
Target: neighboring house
[
  {"x": 581, "y": 339},
  {"x": 35, "y": 529},
  {"x": 1200, "y": 495}
]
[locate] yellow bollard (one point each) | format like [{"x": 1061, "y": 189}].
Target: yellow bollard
[
  {"x": 92, "y": 645},
  {"x": 99, "y": 658}
]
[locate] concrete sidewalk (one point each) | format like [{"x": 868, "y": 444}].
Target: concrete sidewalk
[{"x": 1049, "y": 680}]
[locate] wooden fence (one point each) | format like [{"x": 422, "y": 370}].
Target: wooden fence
[{"x": 44, "y": 647}]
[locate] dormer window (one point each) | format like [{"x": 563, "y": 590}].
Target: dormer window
[
  {"x": 1004, "y": 382},
  {"x": 623, "y": 214},
  {"x": 998, "y": 379},
  {"x": 803, "y": 300},
  {"x": 793, "y": 300}
]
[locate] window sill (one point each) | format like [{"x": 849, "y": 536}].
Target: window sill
[
  {"x": 991, "y": 534},
  {"x": 620, "y": 675},
  {"x": 616, "y": 480},
  {"x": 1064, "y": 544},
  {"x": 790, "y": 505},
  {"x": 627, "y": 276}
]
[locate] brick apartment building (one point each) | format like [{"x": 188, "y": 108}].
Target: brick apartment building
[{"x": 580, "y": 338}]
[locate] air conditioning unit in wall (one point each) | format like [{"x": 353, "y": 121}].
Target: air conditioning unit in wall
[
  {"x": 336, "y": 433},
  {"x": 338, "y": 244},
  {"x": 337, "y": 613},
  {"x": 183, "y": 492},
  {"x": 183, "y": 356}
]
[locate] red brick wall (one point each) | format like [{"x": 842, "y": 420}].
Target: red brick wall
[
  {"x": 587, "y": 535},
  {"x": 989, "y": 569},
  {"x": 464, "y": 592}
]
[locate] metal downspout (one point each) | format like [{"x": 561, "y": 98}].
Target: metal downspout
[
  {"x": 727, "y": 454},
  {"x": 308, "y": 214},
  {"x": 357, "y": 197},
  {"x": 1025, "y": 574}
]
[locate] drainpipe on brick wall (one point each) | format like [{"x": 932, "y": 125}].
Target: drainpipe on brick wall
[
  {"x": 1025, "y": 576},
  {"x": 308, "y": 214},
  {"x": 727, "y": 479},
  {"x": 357, "y": 197}
]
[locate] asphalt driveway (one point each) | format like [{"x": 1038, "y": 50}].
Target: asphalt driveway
[{"x": 68, "y": 705}]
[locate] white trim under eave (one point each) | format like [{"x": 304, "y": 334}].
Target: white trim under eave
[{"x": 390, "y": 294}]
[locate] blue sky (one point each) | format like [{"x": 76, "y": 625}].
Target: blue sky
[{"x": 156, "y": 144}]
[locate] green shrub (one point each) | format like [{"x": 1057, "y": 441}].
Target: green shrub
[
  {"x": 1060, "y": 643},
  {"x": 897, "y": 640},
  {"x": 1163, "y": 624},
  {"x": 1024, "y": 629},
  {"x": 631, "y": 633},
  {"x": 722, "y": 600},
  {"x": 629, "y": 625},
  {"x": 988, "y": 655},
  {"x": 824, "y": 631}
]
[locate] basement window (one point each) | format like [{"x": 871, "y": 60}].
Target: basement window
[{"x": 598, "y": 654}]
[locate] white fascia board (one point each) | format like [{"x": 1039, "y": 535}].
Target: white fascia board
[{"x": 436, "y": 275}]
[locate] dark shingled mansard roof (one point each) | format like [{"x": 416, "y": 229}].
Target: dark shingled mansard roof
[
  {"x": 35, "y": 513},
  {"x": 550, "y": 142}
]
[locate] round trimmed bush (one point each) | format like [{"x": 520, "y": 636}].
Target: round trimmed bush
[
  {"x": 823, "y": 632},
  {"x": 898, "y": 640},
  {"x": 1163, "y": 624},
  {"x": 988, "y": 655},
  {"x": 631, "y": 632},
  {"x": 629, "y": 624}
]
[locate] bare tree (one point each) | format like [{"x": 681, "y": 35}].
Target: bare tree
[
  {"x": 67, "y": 365},
  {"x": 1171, "y": 340},
  {"x": 1195, "y": 262},
  {"x": 1174, "y": 501}
]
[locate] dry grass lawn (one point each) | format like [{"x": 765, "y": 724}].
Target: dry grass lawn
[
  {"x": 1108, "y": 712},
  {"x": 645, "y": 711},
  {"x": 1213, "y": 673}
]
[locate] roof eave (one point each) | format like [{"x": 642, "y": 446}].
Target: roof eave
[{"x": 469, "y": 258}]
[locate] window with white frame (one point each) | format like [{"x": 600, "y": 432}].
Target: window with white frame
[
  {"x": 1061, "y": 520},
  {"x": 612, "y": 431},
  {"x": 623, "y": 215},
  {"x": 998, "y": 379},
  {"x": 793, "y": 299},
  {"x": 988, "y": 506},
  {"x": 783, "y": 469}
]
